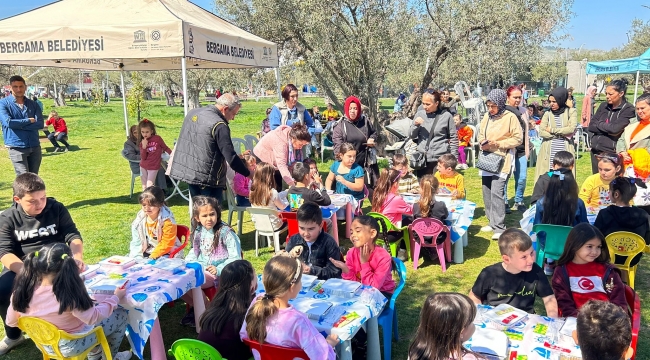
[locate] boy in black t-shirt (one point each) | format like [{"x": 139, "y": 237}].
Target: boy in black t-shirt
[{"x": 517, "y": 280}]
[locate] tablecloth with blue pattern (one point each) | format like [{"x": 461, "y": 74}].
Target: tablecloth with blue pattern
[{"x": 461, "y": 214}]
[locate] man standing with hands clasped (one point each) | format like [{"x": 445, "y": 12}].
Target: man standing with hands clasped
[{"x": 21, "y": 120}]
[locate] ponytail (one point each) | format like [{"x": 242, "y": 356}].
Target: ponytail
[
  {"x": 428, "y": 190},
  {"x": 25, "y": 284},
  {"x": 69, "y": 288},
  {"x": 386, "y": 180}
]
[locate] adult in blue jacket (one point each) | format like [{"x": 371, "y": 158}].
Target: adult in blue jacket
[{"x": 21, "y": 120}]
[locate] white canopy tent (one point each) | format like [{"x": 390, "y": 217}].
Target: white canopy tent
[{"x": 130, "y": 35}]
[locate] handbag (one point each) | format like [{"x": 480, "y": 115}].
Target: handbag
[
  {"x": 489, "y": 161},
  {"x": 418, "y": 160}
]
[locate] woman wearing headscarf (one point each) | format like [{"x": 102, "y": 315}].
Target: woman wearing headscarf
[
  {"x": 355, "y": 128},
  {"x": 499, "y": 133},
  {"x": 556, "y": 130},
  {"x": 588, "y": 105}
]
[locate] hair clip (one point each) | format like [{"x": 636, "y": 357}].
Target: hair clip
[
  {"x": 559, "y": 174},
  {"x": 268, "y": 297},
  {"x": 399, "y": 175},
  {"x": 64, "y": 256},
  {"x": 35, "y": 253},
  {"x": 295, "y": 277},
  {"x": 145, "y": 120}
]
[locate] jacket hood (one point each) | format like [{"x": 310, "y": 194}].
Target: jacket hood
[{"x": 627, "y": 217}]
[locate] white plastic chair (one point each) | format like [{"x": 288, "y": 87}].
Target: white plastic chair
[
  {"x": 323, "y": 136},
  {"x": 473, "y": 145},
  {"x": 232, "y": 207},
  {"x": 251, "y": 141},
  {"x": 264, "y": 226},
  {"x": 238, "y": 144},
  {"x": 133, "y": 175}
]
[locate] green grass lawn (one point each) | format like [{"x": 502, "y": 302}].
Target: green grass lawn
[{"x": 93, "y": 182}]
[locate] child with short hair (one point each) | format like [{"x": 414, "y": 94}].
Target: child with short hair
[
  {"x": 562, "y": 162},
  {"x": 313, "y": 246},
  {"x": 465, "y": 134},
  {"x": 451, "y": 181},
  {"x": 595, "y": 189},
  {"x": 301, "y": 192},
  {"x": 49, "y": 288},
  {"x": 408, "y": 182},
  {"x": 348, "y": 174},
  {"x": 603, "y": 331},
  {"x": 60, "y": 131},
  {"x": 152, "y": 148},
  {"x": 242, "y": 184},
  {"x": 264, "y": 195},
  {"x": 214, "y": 245},
  {"x": 271, "y": 319},
  {"x": 585, "y": 260},
  {"x": 446, "y": 322},
  {"x": 313, "y": 171},
  {"x": 153, "y": 232},
  {"x": 517, "y": 280},
  {"x": 366, "y": 262},
  {"x": 386, "y": 200}
]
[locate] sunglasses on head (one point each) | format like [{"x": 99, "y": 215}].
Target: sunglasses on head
[{"x": 615, "y": 159}]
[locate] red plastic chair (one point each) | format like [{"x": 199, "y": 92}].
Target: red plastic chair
[
  {"x": 274, "y": 352},
  {"x": 429, "y": 227},
  {"x": 634, "y": 303},
  {"x": 183, "y": 234},
  {"x": 292, "y": 224}
]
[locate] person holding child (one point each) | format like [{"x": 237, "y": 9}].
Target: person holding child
[
  {"x": 214, "y": 245},
  {"x": 517, "y": 280},
  {"x": 595, "y": 189},
  {"x": 60, "y": 132},
  {"x": 32, "y": 221},
  {"x": 49, "y": 287},
  {"x": 242, "y": 184},
  {"x": 583, "y": 272},
  {"x": 451, "y": 181},
  {"x": 153, "y": 232},
  {"x": 603, "y": 332},
  {"x": 152, "y": 147},
  {"x": 465, "y": 135},
  {"x": 313, "y": 246},
  {"x": 224, "y": 317},
  {"x": 271, "y": 319},
  {"x": 349, "y": 175}
]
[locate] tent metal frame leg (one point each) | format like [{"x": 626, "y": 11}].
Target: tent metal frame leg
[{"x": 126, "y": 119}]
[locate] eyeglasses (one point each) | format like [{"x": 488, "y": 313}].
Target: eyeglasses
[{"x": 492, "y": 106}]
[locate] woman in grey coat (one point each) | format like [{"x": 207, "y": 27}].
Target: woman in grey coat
[
  {"x": 131, "y": 151},
  {"x": 444, "y": 139}
]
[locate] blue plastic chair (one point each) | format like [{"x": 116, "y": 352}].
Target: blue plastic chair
[{"x": 388, "y": 318}]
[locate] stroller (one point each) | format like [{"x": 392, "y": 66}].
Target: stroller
[{"x": 404, "y": 144}]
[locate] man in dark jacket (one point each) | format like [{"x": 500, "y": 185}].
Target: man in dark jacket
[
  {"x": 32, "y": 222},
  {"x": 313, "y": 246},
  {"x": 204, "y": 148}
]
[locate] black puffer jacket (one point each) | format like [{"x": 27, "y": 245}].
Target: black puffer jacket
[
  {"x": 608, "y": 124},
  {"x": 203, "y": 148}
]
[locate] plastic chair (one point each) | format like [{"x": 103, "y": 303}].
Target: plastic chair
[
  {"x": 323, "y": 136},
  {"x": 191, "y": 349},
  {"x": 264, "y": 226},
  {"x": 251, "y": 141},
  {"x": 385, "y": 225},
  {"x": 473, "y": 145},
  {"x": 555, "y": 238},
  {"x": 628, "y": 245},
  {"x": 292, "y": 223},
  {"x": 359, "y": 211},
  {"x": 274, "y": 352},
  {"x": 634, "y": 303},
  {"x": 238, "y": 144},
  {"x": 133, "y": 175},
  {"x": 183, "y": 234},
  {"x": 232, "y": 207},
  {"x": 388, "y": 318},
  {"x": 432, "y": 228},
  {"x": 44, "y": 333}
]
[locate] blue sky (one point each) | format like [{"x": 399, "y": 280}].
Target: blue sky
[{"x": 598, "y": 24}]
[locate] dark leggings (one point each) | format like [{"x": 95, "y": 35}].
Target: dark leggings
[
  {"x": 594, "y": 161},
  {"x": 6, "y": 289},
  {"x": 430, "y": 169}
]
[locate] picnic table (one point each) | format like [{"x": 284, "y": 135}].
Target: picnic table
[
  {"x": 366, "y": 301},
  {"x": 149, "y": 289}
]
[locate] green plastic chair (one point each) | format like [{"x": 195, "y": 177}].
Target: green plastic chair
[
  {"x": 190, "y": 349},
  {"x": 385, "y": 225},
  {"x": 555, "y": 238}
]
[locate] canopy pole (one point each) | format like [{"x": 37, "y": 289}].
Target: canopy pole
[
  {"x": 184, "y": 68},
  {"x": 81, "y": 93},
  {"x": 126, "y": 119},
  {"x": 636, "y": 85},
  {"x": 277, "y": 82}
]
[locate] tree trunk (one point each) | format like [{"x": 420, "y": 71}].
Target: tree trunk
[
  {"x": 169, "y": 97},
  {"x": 193, "y": 98},
  {"x": 147, "y": 93},
  {"x": 60, "y": 99},
  {"x": 118, "y": 90}
]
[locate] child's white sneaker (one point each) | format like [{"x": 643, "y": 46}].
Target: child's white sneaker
[
  {"x": 7, "y": 344},
  {"x": 487, "y": 228},
  {"x": 123, "y": 355}
]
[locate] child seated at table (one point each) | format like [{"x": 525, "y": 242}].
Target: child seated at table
[
  {"x": 153, "y": 232},
  {"x": 451, "y": 181},
  {"x": 595, "y": 189},
  {"x": 313, "y": 171},
  {"x": 562, "y": 162},
  {"x": 428, "y": 207},
  {"x": 271, "y": 319},
  {"x": 224, "y": 316},
  {"x": 386, "y": 200},
  {"x": 301, "y": 192},
  {"x": 366, "y": 262},
  {"x": 446, "y": 322},
  {"x": 603, "y": 331},
  {"x": 408, "y": 182},
  {"x": 49, "y": 288},
  {"x": 348, "y": 174},
  {"x": 214, "y": 245},
  {"x": 620, "y": 216},
  {"x": 313, "y": 246},
  {"x": 264, "y": 195},
  {"x": 242, "y": 184},
  {"x": 561, "y": 201},
  {"x": 517, "y": 280}
]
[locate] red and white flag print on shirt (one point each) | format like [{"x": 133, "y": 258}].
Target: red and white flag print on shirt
[{"x": 586, "y": 282}]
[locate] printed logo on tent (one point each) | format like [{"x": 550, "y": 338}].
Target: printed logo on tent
[
  {"x": 265, "y": 51},
  {"x": 139, "y": 36},
  {"x": 191, "y": 41},
  {"x": 155, "y": 35}
]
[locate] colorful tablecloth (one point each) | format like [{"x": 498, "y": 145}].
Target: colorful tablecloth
[
  {"x": 461, "y": 214},
  {"x": 149, "y": 289},
  {"x": 536, "y": 338},
  {"x": 367, "y": 302}
]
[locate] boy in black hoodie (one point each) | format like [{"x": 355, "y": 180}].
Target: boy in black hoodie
[
  {"x": 33, "y": 221},
  {"x": 563, "y": 162}
]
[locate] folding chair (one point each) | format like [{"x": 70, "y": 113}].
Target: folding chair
[{"x": 185, "y": 194}]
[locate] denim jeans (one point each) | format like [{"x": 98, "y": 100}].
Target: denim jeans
[
  {"x": 26, "y": 159},
  {"x": 521, "y": 167}
]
